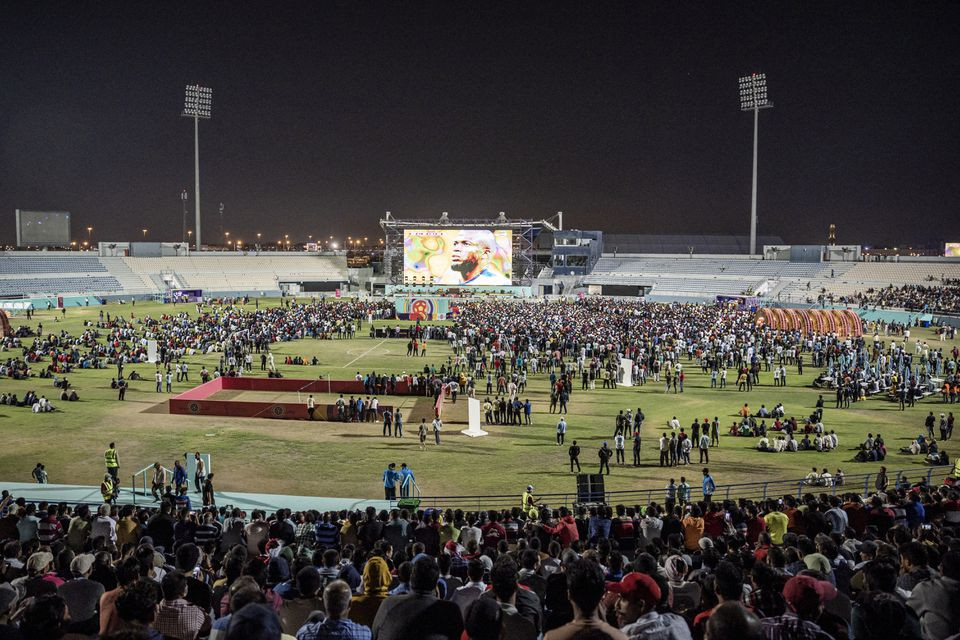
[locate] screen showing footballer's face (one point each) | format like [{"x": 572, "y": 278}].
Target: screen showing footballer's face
[{"x": 458, "y": 257}]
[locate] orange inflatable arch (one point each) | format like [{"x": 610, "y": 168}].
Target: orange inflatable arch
[{"x": 842, "y": 322}]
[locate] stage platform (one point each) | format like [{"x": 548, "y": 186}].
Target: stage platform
[{"x": 76, "y": 494}]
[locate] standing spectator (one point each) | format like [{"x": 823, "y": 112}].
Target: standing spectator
[
  {"x": 112, "y": 461},
  {"x": 199, "y": 473},
  {"x": 704, "y": 446},
  {"x": 574, "y": 453},
  {"x": 40, "y": 474},
  {"x": 390, "y": 482},
  {"x": 709, "y": 486},
  {"x": 619, "y": 446},
  {"x": 604, "y": 454}
]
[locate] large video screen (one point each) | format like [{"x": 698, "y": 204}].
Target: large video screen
[
  {"x": 458, "y": 257},
  {"x": 44, "y": 228},
  {"x": 952, "y": 250}
]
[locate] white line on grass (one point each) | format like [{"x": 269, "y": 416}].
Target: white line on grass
[{"x": 363, "y": 354}]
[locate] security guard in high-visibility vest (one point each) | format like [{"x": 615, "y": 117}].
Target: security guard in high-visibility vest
[{"x": 112, "y": 461}]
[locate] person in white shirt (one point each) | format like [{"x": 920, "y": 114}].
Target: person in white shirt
[
  {"x": 826, "y": 479},
  {"x": 437, "y": 425},
  {"x": 103, "y": 526},
  {"x": 764, "y": 444},
  {"x": 473, "y": 589},
  {"x": 674, "y": 424},
  {"x": 651, "y": 525},
  {"x": 618, "y": 444}
]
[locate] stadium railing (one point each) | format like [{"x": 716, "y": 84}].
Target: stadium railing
[{"x": 863, "y": 483}]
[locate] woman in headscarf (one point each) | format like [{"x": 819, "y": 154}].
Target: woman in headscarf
[
  {"x": 684, "y": 595},
  {"x": 376, "y": 585}
]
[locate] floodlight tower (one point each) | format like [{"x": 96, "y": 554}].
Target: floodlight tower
[
  {"x": 197, "y": 104},
  {"x": 753, "y": 97}
]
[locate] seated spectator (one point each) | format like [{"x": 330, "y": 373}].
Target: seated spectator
[
  {"x": 376, "y": 584},
  {"x": 418, "y": 613},
  {"x": 175, "y": 616},
  {"x": 585, "y": 587},
  {"x": 337, "y": 623},
  {"x": 295, "y": 610},
  {"x": 638, "y": 595}
]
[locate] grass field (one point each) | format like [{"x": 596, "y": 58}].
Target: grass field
[{"x": 333, "y": 459}]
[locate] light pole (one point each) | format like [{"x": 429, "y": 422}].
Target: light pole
[
  {"x": 89, "y": 235},
  {"x": 197, "y": 103},
  {"x": 144, "y": 233},
  {"x": 753, "y": 97},
  {"x": 221, "y": 219},
  {"x": 183, "y": 199}
]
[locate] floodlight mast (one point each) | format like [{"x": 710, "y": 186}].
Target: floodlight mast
[
  {"x": 753, "y": 97},
  {"x": 197, "y": 103}
]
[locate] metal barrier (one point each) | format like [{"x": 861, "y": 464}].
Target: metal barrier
[
  {"x": 863, "y": 483},
  {"x": 167, "y": 477}
]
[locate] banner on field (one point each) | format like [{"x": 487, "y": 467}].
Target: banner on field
[{"x": 424, "y": 308}]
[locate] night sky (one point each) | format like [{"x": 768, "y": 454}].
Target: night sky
[{"x": 623, "y": 115}]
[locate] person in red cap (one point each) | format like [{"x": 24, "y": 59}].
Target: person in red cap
[
  {"x": 638, "y": 595},
  {"x": 805, "y": 597}
]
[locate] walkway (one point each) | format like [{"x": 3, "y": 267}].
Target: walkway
[{"x": 76, "y": 494}]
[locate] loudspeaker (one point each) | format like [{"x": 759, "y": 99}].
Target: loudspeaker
[{"x": 590, "y": 488}]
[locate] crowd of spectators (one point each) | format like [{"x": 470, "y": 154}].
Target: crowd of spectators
[
  {"x": 836, "y": 565},
  {"x": 913, "y": 297}
]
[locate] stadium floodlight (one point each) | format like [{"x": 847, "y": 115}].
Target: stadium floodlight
[
  {"x": 197, "y": 104},
  {"x": 753, "y": 97}
]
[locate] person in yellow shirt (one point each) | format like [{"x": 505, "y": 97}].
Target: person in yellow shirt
[
  {"x": 693, "y": 526},
  {"x": 777, "y": 522},
  {"x": 112, "y": 461},
  {"x": 128, "y": 529},
  {"x": 528, "y": 503}
]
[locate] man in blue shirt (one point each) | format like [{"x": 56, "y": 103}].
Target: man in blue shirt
[
  {"x": 406, "y": 480},
  {"x": 390, "y": 476},
  {"x": 336, "y": 601},
  {"x": 709, "y": 486},
  {"x": 915, "y": 512},
  {"x": 183, "y": 500}
]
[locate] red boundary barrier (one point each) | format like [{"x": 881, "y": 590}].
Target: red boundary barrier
[{"x": 198, "y": 402}]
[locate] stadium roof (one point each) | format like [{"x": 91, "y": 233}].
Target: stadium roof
[{"x": 711, "y": 244}]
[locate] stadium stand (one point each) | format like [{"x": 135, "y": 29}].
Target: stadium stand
[
  {"x": 684, "y": 243},
  {"x": 66, "y": 273},
  {"x": 85, "y": 284},
  {"x": 18, "y": 265}
]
